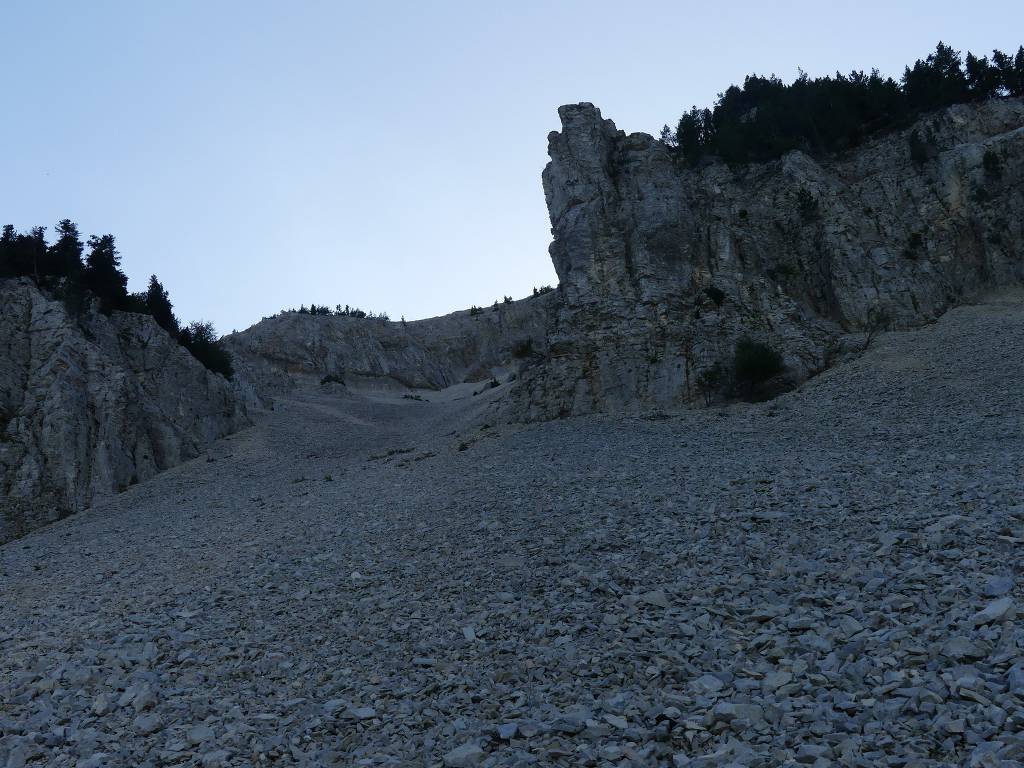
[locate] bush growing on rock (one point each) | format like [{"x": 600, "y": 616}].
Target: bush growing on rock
[
  {"x": 878, "y": 320},
  {"x": 711, "y": 381},
  {"x": 992, "y": 164},
  {"x": 806, "y": 205},
  {"x": 201, "y": 340},
  {"x": 522, "y": 348},
  {"x": 922, "y": 146}
]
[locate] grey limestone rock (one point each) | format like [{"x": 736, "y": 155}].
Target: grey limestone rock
[
  {"x": 663, "y": 268},
  {"x": 92, "y": 405}
]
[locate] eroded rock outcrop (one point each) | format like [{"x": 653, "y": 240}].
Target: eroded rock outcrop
[
  {"x": 663, "y": 268},
  {"x": 91, "y": 405},
  {"x": 299, "y": 349}
]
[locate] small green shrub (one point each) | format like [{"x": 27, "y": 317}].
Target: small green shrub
[
  {"x": 332, "y": 378},
  {"x": 806, "y": 205},
  {"x": 782, "y": 271},
  {"x": 522, "y": 348},
  {"x": 878, "y": 320},
  {"x": 993, "y": 165},
  {"x": 201, "y": 340},
  {"x": 711, "y": 381},
  {"x": 914, "y": 244},
  {"x": 922, "y": 146}
]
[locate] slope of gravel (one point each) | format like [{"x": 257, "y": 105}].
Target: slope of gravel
[{"x": 833, "y": 578}]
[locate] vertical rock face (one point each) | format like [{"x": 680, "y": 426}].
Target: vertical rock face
[
  {"x": 663, "y": 268},
  {"x": 90, "y": 406}
]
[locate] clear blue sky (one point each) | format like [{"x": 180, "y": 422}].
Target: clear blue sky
[{"x": 259, "y": 155}]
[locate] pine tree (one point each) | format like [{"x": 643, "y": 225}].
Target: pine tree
[
  {"x": 1002, "y": 72},
  {"x": 64, "y": 257},
  {"x": 982, "y": 78},
  {"x": 103, "y": 275},
  {"x": 1016, "y": 85},
  {"x": 8, "y": 251},
  {"x": 159, "y": 304}
]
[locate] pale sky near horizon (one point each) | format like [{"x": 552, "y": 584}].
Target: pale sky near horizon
[{"x": 259, "y": 155}]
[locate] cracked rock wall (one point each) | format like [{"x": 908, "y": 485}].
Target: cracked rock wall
[
  {"x": 802, "y": 251},
  {"x": 89, "y": 407}
]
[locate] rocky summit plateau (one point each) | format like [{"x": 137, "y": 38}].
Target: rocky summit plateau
[{"x": 562, "y": 530}]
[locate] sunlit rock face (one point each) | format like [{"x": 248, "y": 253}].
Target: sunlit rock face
[
  {"x": 663, "y": 268},
  {"x": 90, "y": 405}
]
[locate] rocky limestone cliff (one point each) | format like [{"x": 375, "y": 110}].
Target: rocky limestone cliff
[
  {"x": 298, "y": 349},
  {"x": 802, "y": 250},
  {"x": 91, "y": 406}
]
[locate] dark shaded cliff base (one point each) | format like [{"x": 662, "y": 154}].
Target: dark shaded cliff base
[{"x": 829, "y": 578}]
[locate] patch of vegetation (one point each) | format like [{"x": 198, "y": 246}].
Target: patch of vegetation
[
  {"x": 339, "y": 311},
  {"x": 475, "y": 310},
  {"x": 711, "y": 381},
  {"x": 993, "y": 165},
  {"x": 80, "y": 277},
  {"x": 878, "y": 320},
  {"x": 542, "y": 290},
  {"x": 806, "y": 205},
  {"x": 201, "y": 340},
  {"x": 332, "y": 378},
  {"x": 765, "y": 118},
  {"x": 782, "y": 271},
  {"x": 522, "y": 348},
  {"x": 914, "y": 244}
]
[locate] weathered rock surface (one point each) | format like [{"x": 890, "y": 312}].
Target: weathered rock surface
[
  {"x": 800, "y": 582},
  {"x": 291, "y": 348},
  {"x": 801, "y": 250},
  {"x": 90, "y": 407}
]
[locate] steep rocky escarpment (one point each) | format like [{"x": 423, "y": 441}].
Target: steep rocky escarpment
[
  {"x": 663, "y": 268},
  {"x": 91, "y": 405},
  {"x": 294, "y": 348}
]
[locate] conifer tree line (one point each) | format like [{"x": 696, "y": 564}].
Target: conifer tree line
[
  {"x": 339, "y": 311},
  {"x": 79, "y": 272},
  {"x": 765, "y": 118}
]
